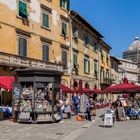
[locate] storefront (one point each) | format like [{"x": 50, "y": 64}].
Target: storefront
[{"x": 35, "y": 95}]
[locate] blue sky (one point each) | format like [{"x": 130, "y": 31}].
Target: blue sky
[{"x": 117, "y": 20}]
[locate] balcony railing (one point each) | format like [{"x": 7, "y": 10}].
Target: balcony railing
[{"x": 25, "y": 62}]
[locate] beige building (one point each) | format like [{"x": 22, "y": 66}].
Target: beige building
[
  {"x": 115, "y": 62},
  {"x": 90, "y": 54},
  {"x": 128, "y": 69}
]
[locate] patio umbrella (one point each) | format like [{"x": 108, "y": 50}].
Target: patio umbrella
[
  {"x": 6, "y": 82},
  {"x": 124, "y": 87},
  {"x": 95, "y": 91},
  {"x": 82, "y": 90},
  {"x": 65, "y": 89}
]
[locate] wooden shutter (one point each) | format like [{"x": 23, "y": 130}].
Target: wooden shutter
[
  {"x": 85, "y": 65},
  {"x": 61, "y": 3},
  {"x": 45, "y": 53},
  {"x": 22, "y": 47},
  {"x": 88, "y": 66},
  {"x": 45, "y": 20},
  {"x": 64, "y": 57},
  {"x": 68, "y": 5}
]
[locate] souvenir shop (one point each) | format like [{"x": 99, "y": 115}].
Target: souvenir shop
[{"x": 35, "y": 95}]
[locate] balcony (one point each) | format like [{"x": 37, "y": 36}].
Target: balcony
[{"x": 25, "y": 62}]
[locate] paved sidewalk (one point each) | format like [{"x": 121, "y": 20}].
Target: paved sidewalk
[{"x": 55, "y": 131}]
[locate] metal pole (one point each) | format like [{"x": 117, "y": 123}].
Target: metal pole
[{"x": 71, "y": 49}]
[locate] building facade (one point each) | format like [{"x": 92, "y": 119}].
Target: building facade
[
  {"x": 90, "y": 54},
  {"x": 34, "y": 33},
  {"x": 133, "y": 54},
  {"x": 115, "y": 62},
  {"x": 128, "y": 69},
  {"x": 45, "y": 34}
]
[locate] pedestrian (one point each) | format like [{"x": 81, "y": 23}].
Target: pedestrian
[
  {"x": 88, "y": 109},
  {"x": 61, "y": 109},
  {"x": 76, "y": 103},
  {"x": 68, "y": 108}
]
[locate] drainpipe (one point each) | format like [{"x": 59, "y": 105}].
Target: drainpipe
[{"x": 71, "y": 49}]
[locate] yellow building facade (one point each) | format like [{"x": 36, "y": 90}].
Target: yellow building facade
[
  {"x": 45, "y": 34},
  {"x": 90, "y": 54},
  {"x": 34, "y": 33}
]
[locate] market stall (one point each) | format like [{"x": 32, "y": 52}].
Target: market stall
[{"x": 35, "y": 95}]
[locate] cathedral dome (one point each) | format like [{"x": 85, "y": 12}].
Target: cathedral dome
[{"x": 135, "y": 45}]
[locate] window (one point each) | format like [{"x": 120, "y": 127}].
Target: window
[
  {"x": 45, "y": 52},
  {"x": 65, "y": 4},
  {"x": 94, "y": 46},
  {"x": 64, "y": 57},
  {"x": 22, "y": 46},
  {"x": 107, "y": 61},
  {"x": 107, "y": 74},
  {"x": 75, "y": 61},
  {"x": 86, "y": 65},
  {"x": 45, "y": 19},
  {"x": 95, "y": 70},
  {"x": 22, "y": 9},
  {"x": 101, "y": 75},
  {"x": 86, "y": 40},
  {"x": 64, "y": 28}
]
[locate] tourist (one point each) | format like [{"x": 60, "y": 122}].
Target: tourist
[
  {"x": 76, "y": 103},
  {"x": 61, "y": 109},
  {"x": 88, "y": 110},
  {"x": 68, "y": 108}
]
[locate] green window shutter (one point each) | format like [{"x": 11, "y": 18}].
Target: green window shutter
[
  {"x": 100, "y": 75},
  {"x": 45, "y": 19},
  {"x": 45, "y": 53},
  {"x": 85, "y": 65},
  {"x": 64, "y": 58},
  {"x": 64, "y": 28},
  {"x": 61, "y": 3},
  {"x": 68, "y": 5},
  {"x": 22, "y": 47},
  {"x": 88, "y": 66},
  {"x": 95, "y": 68},
  {"x": 74, "y": 59},
  {"x": 23, "y": 9}
]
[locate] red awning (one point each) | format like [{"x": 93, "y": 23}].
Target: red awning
[
  {"x": 97, "y": 91},
  {"x": 124, "y": 87},
  {"x": 65, "y": 89},
  {"x": 6, "y": 82}
]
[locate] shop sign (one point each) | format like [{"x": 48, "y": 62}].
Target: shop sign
[{"x": 108, "y": 120}]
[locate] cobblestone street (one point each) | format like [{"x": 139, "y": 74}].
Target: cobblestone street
[{"x": 55, "y": 131}]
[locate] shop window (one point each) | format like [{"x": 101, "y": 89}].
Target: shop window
[
  {"x": 45, "y": 52},
  {"x": 86, "y": 65},
  {"x": 45, "y": 19},
  {"x": 64, "y": 28},
  {"x": 64, "y": 57},
  {"x": 22, "y": 9},
  {"x": 22, "y": 46},
  {"x": 65, "y": 4}
]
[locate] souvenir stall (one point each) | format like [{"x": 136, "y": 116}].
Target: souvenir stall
[
  {"x": 35, "y": 95},
  {"x": 125, "y": 106}
]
